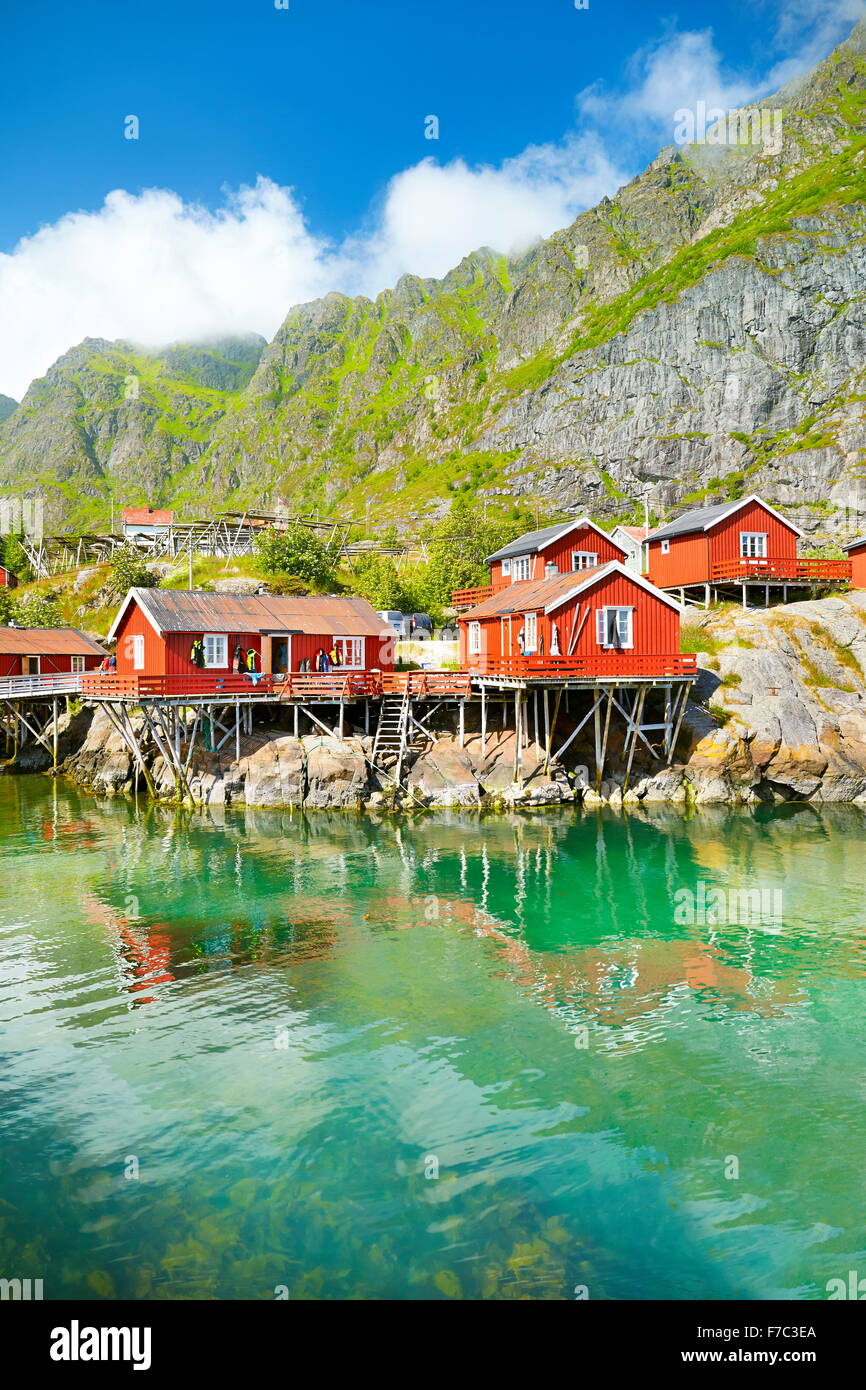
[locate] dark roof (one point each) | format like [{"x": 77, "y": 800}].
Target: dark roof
[
  {"x": 702, "y": 518},
  {"x": 47, "y": 641},
  {"x": 531, "y": 541},
  {"x": 194, "y": 610},
  {"x": 852, "y": 545}
]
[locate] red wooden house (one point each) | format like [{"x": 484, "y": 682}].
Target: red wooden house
[
  {"x": 856, "y": 551},
  {"x": 601, "y": 622},
  {"x": 735, "y": 543},
  {"x": 46, "y": 651},
  {"x": 156, "y": 628},
  {"x": 7, "y": 578},
  {"x": 568, "y": 546}
]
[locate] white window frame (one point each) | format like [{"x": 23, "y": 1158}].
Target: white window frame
[
  {"x": 77, "y": 665},
  {"x": 583, "y": 560},
  {"x": 521, "y": 568},
  {"x": 138, "y": 651},
  {"x": 350, "y": 646},
  {"x": 474, "y": 644},
  {"x": 530, "y": 633},
  {"x": 216, "y": 646},
  {"x": 666, "y": 547},
  {"x": 602, "y": 624},
  {"x": 753, "y": 545},
  {"x": 506, "y": 568}
]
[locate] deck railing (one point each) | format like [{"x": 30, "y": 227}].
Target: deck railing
[
  {"x": 601, "y": 666},
  {"x": 462, "y": 599},
  {"x": 788, "y": 570},
  {"x": 333, "y": 685},
  {"x": 55, "y": 683}
]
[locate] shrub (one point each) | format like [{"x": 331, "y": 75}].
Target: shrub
[
  {"x": 299, "y": 553},
  {"x": 128, "y": 570}
]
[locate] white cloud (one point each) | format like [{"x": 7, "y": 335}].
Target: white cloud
[{"x": 151, "y": 268}]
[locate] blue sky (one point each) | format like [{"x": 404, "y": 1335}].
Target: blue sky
[{"x": 541, "y": 107}]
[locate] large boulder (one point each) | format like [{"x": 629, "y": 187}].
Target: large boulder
[{"x": 336, "y": 773}]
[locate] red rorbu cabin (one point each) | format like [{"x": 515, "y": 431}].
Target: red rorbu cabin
[
  {"x": 156, "y": 628},
  {"x": 7, "y": 578},
  {"x": 856, "y": 551},
  {"x": 46, "y": 651},
  {"x": 567, "y": 547},
  {"x": 735, "y": 543},
  {"x": 603, "y": 622}
]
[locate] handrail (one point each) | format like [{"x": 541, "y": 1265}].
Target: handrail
[
  {"x": 813, "y": 569},
  {"x": 52, "y": 683},
  {"x": 602, "y": 665}
]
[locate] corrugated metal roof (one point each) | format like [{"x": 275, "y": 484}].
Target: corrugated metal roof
[
  {"x": 531, "y": 594},
  {"x": 531, "y": 541},
  {"x": 852, "y": 545},
  {"x": 185, "y": 610},
  {"x": 47, "y": 641},
  {"x": 143, "y": 516}
]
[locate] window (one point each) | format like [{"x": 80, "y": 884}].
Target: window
[
  {"x": 530, "y": 632},
  {"x": 138, "y": 652},
  {"x": 506, "y": 567},
  {"x": 753, "y": 545},
  {"x": 216, "y": 649},
  {"x": 583, "y": 560},
  {"x": 520, "y": 567},
  {"x": 350, "y": 651},
  {"x": 474, "y": 639},
  {"x": 614, "y": 627},
  {"x": 77, "y": 664},
  {"x": 666, "y": 546}
]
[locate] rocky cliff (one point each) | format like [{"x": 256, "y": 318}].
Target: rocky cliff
[{"x": 700, "y": 333}]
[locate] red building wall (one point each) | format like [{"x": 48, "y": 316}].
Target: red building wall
[
  {"x": 48, "y": 665},
  {"x": 655, "y": 628},
  {"x": 691, "y": 556},
  {"x": 858, "y": 566},
  {"x": 170, "y": 656},
  {"x": 559, "y": 553},
  {"x": 7, "y": 579}
]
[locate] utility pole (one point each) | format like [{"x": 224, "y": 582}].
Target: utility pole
[{"x": 645, "y": 515}]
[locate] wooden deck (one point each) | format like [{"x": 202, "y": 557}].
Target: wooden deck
[
  {"x": 781, "y": 571},
  {"x": 623, "y": 667}
]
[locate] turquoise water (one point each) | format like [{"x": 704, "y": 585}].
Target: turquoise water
[{"x": 442, "y": 1058}]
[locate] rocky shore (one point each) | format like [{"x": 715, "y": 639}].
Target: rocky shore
[{"x": 778, "y": 714}]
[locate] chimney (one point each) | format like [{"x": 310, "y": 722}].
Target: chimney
[{"x": 550, "y": 569}]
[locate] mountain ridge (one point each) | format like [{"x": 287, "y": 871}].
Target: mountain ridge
[{"x": 692, "y": 335}]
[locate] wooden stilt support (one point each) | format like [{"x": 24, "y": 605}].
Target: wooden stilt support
[
  {"x": 483, "y": 722},
  {"x": 551, "y": 729},
  {"x": 638, "y": 715},
  {"x": 600, "y": 769},
  {"x": 237, "y": 731},
  {"x": 55, "y": 707}
]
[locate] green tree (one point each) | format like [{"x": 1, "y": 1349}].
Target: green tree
[
  {"x": 297, "y": 552},
  {"x": 38, "y": 610},
  {"x": 377, "y": 578},
  {"x": 13, "y": 556},
  {"x": 459, "y": 546},
  {"x": 128, "y": 570}
]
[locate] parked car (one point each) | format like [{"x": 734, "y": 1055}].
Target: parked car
[
  {"x": 394, "y": 618},
  {"x": 420, "y": 626}
]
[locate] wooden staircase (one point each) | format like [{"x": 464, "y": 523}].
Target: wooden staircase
[{"x": 393, "y": 737}]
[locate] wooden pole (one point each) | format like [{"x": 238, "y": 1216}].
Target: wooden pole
[
  {"x": 552, "y": 730},
  {"x": 600, "y": 768},
  {"x": 636, "y": 718},
  {"x": 54, "y": 707},
  {"x": 483, "y": 722}
]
